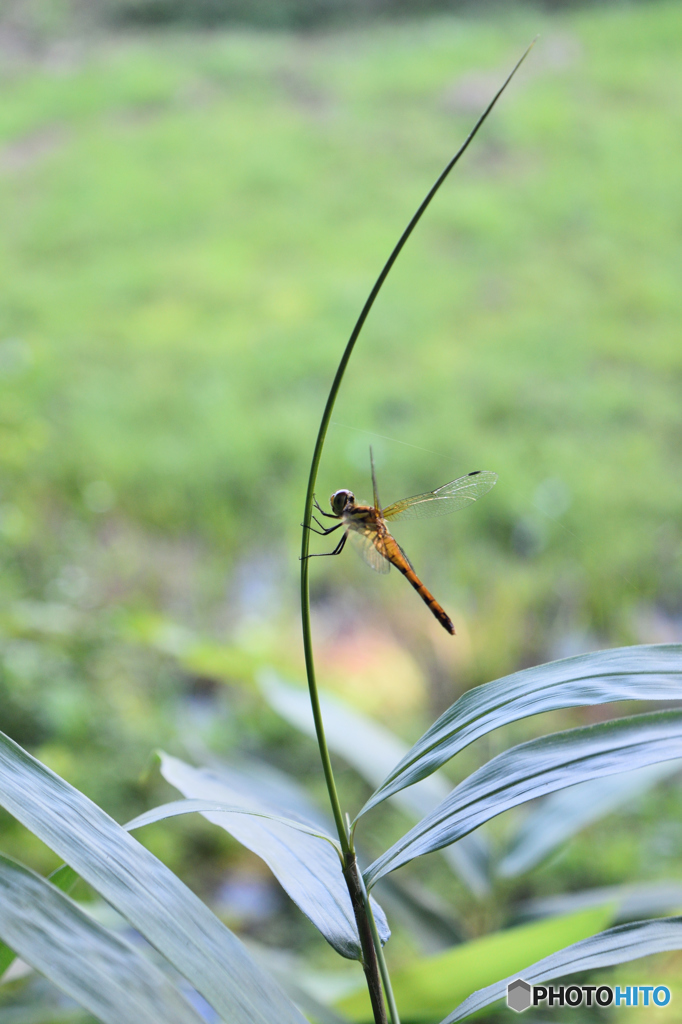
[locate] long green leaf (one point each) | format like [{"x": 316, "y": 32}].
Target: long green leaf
[
  {"x": 306, "y": 866},
  {"x": 175, "y": 808},
  {"x": 98, "y": 969},
  {"x": 565, "y": 813},
  {"x": 615, "y": 946},
  {"x": 142, "y": 889},
  {"x": 648, "y": 672},
  {"x": 534, "y": 769},
  {"x": 372, "y": 750},
  {"x": 64, "y": 878}
]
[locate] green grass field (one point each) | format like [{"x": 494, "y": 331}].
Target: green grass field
[{"x": 189, "y": 225}]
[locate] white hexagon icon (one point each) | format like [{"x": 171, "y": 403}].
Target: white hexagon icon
[{"x": 518, "y": 995}]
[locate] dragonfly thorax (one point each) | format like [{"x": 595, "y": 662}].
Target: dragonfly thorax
[{"x": 340, "y": 500}]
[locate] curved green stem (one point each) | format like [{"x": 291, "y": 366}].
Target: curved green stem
[
  {"x": 319, "y": 445},
  {"x": 312, "y": 687},
  {"x": 341, "y": 826}
]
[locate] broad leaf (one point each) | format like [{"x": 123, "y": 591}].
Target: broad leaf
[
  {"x": 565, "y": 813},
  {"x": 532, "y": 770},
  {"x": 306, "y": 866},
  {"x": 615, "y": 946},
  {"x": 98, "y": 969},
  {"x": 142, "y": 890},
  {"x": 427, "y": 987},
  {"x": 372, "y": 750},
  {"x": 262, "y": 783},
  {"x": 648, "y": 672}
]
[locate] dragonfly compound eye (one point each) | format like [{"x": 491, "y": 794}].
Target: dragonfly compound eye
[{"x": 339, "y": 500}]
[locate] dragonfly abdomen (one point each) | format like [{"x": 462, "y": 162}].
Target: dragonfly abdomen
[
  {"x": 428, "y": 599},
  {"x": 400, "y": 561}
]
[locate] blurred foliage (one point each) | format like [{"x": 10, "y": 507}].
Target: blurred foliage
[
  {"x": 298, "y": 14},
  {"x": 189, "y": 227},
  {"x": 49, "y": 17},
  {"x": 190, "y": 224}
]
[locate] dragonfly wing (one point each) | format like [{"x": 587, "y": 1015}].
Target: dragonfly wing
[
  {"x": 366, "y": 543},
  {"x": 375, "y": 489},
  {"x": 402, "y": 552},
  {"x": 448, "y": 498}
]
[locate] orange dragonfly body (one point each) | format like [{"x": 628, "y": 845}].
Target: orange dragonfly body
[{"x": 367, "y": 526}]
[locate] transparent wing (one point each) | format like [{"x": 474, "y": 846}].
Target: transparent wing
[
  {"x": 375, "y": 489},
  {"x": 402, "y": 552},
  {"x": 448, "y": 498},
  {"x": 367, "y": 544}
]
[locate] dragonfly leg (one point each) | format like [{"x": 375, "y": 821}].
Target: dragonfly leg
[
  {"x": 322, "y": 532},
  {"x": 337, "y": 550},
  {"x": 327, "y": 515}
]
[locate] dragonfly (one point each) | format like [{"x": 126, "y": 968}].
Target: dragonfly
[{"x": 367, "y": 525}]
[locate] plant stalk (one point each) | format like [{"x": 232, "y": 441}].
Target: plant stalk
[
  {"x": 355, "y": 887},
  {"x": 370, "y": 961}
]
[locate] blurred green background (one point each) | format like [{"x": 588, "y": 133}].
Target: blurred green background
[{"x": 190, "y": 222}]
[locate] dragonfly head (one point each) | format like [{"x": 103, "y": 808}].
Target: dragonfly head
[{"x": 340, "y": 500}]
